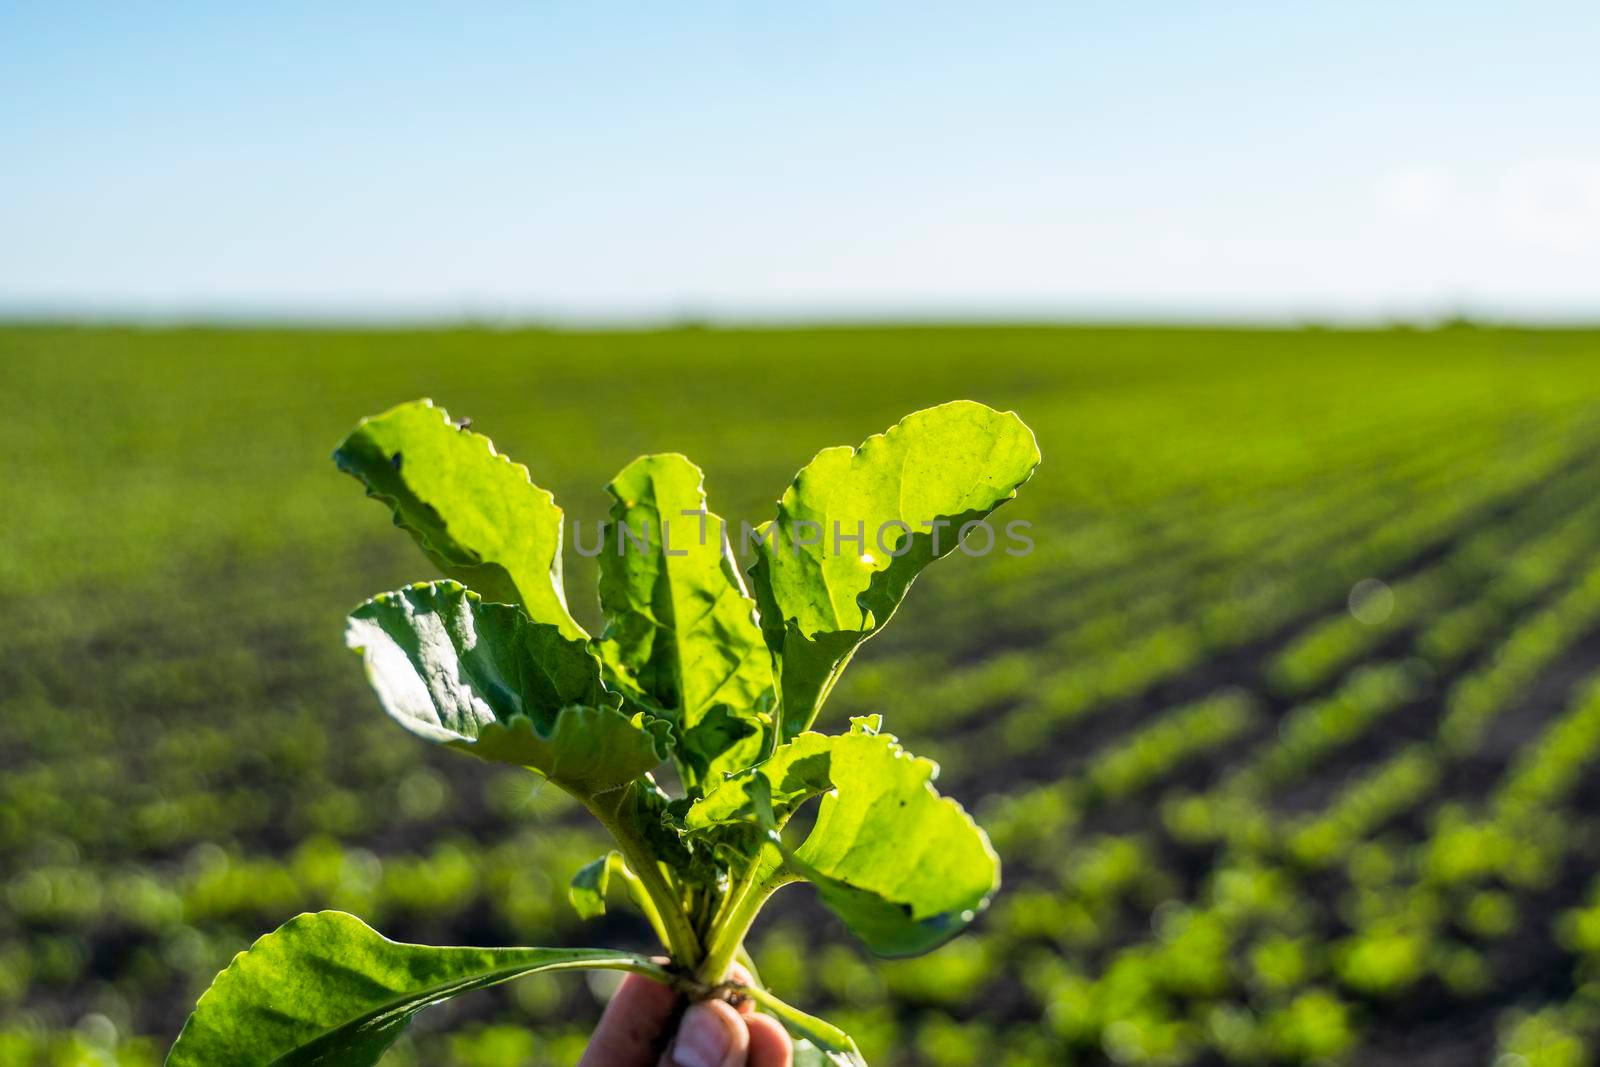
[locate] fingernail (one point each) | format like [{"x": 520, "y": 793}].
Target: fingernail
[{"x": 703, "y": 1039}]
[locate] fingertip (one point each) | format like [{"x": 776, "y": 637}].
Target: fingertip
[
  {"x": 712, "y": 1034},
  {"x": 634, "y": 1026},
  {"x": 769, "y": 1042}
]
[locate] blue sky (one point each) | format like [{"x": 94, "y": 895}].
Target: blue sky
[{"x": 595, "y": 160}]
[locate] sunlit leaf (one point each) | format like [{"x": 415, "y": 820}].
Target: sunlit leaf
[
  {"x": 327, "y": 989},
  {"x": 905, "y": 868},
  {"x": 859, "y": 524},
  {"x": 793, "y": 774},
  {"x": 475, "y": 514},
  {"x": 681, "y": 633}
]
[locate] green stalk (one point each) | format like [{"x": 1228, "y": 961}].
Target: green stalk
[
  {"x": 832, "y": 1041},
  {"x": 734, "y": 922},
  {"x": 644, "y": 902},
  {"x": 682, "y": 943},
  {"x": 743, "y": 956}
]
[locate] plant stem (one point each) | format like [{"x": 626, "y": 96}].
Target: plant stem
[
  {"x": 743, "y": 957},
  {"x": 691, "y": 988},
  {"x": 831, "y": 1040},
  {"x": 644, "y": 902},
  {"x": 734, "y": 922},
  {"x": 681, "y": 941}
]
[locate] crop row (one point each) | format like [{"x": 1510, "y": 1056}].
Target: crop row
[
  {"x": 1229, "y": 566},
  {"x": 1255, "y": 936},
  {"x": 1518, "y": 559},
  {"x": 1060, "y": 698}
]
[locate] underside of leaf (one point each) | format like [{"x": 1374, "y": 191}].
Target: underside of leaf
[{"x": 483, "y": 678}]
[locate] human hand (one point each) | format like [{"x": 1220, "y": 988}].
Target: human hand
[{"x": 646, "y": 1025}]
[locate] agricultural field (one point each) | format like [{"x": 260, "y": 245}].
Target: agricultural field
[{"x": 1286, "y": 729}]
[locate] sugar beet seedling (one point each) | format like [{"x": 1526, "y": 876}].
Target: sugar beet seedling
[{"x": 690, "y": 668}]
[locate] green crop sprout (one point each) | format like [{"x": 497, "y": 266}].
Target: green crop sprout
[{"x": 690, "y": 668}]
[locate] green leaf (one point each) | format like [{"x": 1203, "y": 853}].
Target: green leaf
[
  {"x": 587, "y": 892},
  {"x": 590, "y": 885},
  {"x": 485, "y": 679},
  {"x": 474, "y": 513},
  {"x": 326, "y": 988},
  {"x": 681, "y": 633},
  {"x": 905, "y": 868},
  {"x": 793, "y": 774},
  {"x": 907, "y": 494},
  {"x": 818, "y": 1043},
  {"x": 588, "y": 889}
]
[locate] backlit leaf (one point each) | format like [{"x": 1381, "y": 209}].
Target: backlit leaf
[
  {"x": 327, "y": 989},
  {"x": 792, "y": 775},
  {"x": 859, "y": 524},
  {"x": 474, "y": 513},
  {"x": 905, "y": 868},
  {"x": 681, "y": 634}
]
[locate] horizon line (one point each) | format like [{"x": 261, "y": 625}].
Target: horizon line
[{"x": 689, "y": 315}]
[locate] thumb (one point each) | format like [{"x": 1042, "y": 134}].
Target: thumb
[{"x": 712, "y": 1034}]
